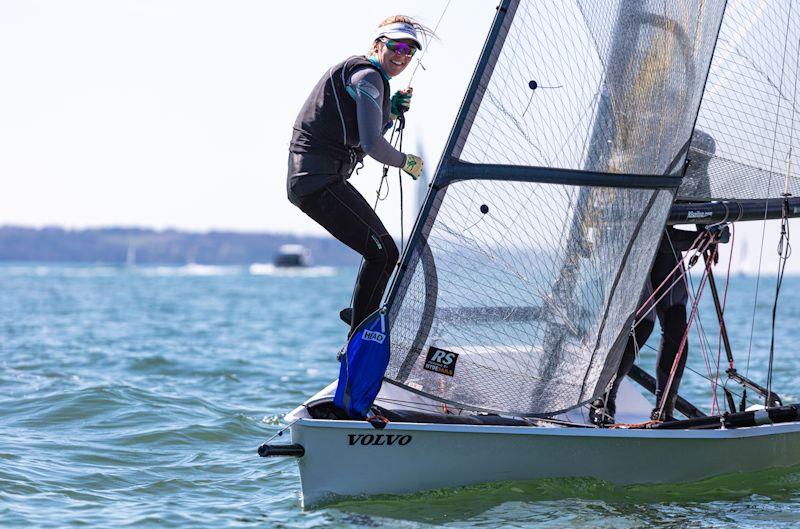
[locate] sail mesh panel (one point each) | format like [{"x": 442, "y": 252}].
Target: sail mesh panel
[
  {"x": 605, "y": 73},
  {"x": 749, "y": 123},
  {"x": 526, "y": 319},
  {"x": 536, "y": 295}
]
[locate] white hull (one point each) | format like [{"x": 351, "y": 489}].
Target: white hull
[
  {"x": 351, "y": 458},
  {"x": 342, "y": 460}
]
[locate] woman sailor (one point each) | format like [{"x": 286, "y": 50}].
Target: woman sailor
[{"x": 343, "y": 119}]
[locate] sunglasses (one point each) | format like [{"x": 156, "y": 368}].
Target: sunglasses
[{"x": 400, "y": 48}]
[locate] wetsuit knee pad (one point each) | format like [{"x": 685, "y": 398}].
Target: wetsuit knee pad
[
  {"x": 382, "y": 249},
  {"x": 392, "y": 253}
]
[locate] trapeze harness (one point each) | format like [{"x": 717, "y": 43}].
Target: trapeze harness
[{"x": 343, "y": 119}]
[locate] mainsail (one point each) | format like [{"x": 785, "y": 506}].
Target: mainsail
[
  {"x": 517, "y": 289},
  {"x": 745, "y": 138}
]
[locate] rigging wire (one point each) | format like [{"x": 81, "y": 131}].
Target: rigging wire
[
  {"x": 399, "y": 126},
  {"x": 784, "y": 245},
  {"x": 769, "y": 186},
  {"x": 427, "y": 44},
  {"x": 698, "y": 373},
  {"x": 380, "y": 196},
  {"x": 784, "y": 251},
  {"x": 715, "y": 383}
]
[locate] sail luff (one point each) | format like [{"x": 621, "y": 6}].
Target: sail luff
[{"x": 417, "y": 250}]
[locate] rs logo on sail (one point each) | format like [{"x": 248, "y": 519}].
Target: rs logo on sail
[
  {"x": 379, "y": 439},
  {"x": 441, "y": 361}
]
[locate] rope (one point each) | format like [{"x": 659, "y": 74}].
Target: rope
[
  {"x": 656, "y": 290},
  {"x": 280, "y": 432},
  {"x": 701, "y": 332},
  {"x": 784, "y": 251},
  {"x": 683, "y": 341},
  {"x": 427, "y": 44},
  {"x": 380, "y": 198},
  {"x": 402, "y": 120}
]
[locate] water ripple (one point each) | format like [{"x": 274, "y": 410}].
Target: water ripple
[{"x": 136, "y": 398}]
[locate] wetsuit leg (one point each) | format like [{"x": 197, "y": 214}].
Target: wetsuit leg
[
  {"x": 671, "y": 312},
  {"x": 673, "y": 328},
  {"x": 340, "y": 209},
  {"x": 640, "y": 335}
]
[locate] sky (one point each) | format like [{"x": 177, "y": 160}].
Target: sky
[{"x": 178, "y": 113}]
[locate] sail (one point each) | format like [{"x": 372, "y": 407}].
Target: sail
[
  {"x": 517, "y": 290},
  {"x": 748, "y": 128}
]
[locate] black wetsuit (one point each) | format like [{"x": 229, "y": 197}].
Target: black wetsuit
[
  {"x": 342, "y": 120},
  {"x": 671, "y": 313}
]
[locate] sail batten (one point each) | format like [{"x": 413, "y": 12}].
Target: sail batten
[
  {"x": 457, "y": 170},
  {"x": 516, "y": 292}
]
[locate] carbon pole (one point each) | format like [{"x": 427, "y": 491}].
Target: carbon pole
[
  {"x": 720, "y": 316},
  {"x": 732, "y": 211}
]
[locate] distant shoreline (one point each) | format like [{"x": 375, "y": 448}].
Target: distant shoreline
[{"x": 119, "y": 245}]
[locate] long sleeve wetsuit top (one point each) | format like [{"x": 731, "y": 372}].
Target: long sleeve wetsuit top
[{"x": 366, "y": 88}]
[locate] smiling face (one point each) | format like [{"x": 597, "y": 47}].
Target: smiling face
[{"x": 392, "y": 62}]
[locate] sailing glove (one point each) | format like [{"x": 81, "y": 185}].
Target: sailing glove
[
  {"x": 413, "y": 166},
  {"x": 401, "y": 102}
]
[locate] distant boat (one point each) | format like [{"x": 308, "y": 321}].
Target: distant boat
[{"x": 292, "y": 256}]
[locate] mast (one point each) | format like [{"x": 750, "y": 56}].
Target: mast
[{"x": 614, "y": 126}]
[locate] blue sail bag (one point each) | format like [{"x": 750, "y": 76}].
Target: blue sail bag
[{"x": 362, "y": 367}]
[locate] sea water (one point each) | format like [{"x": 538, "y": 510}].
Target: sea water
[{"x": 136, "y": 397}]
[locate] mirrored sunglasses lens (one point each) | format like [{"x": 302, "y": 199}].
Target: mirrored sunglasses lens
[{"x": 401, "y": 48}]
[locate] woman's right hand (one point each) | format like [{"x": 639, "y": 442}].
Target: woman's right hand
[
  {"x": 413, "y": 165},
  {"x": 401, "y": 102}
]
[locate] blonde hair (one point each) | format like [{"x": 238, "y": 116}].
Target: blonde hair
[{"x": 424, "y": 32}]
